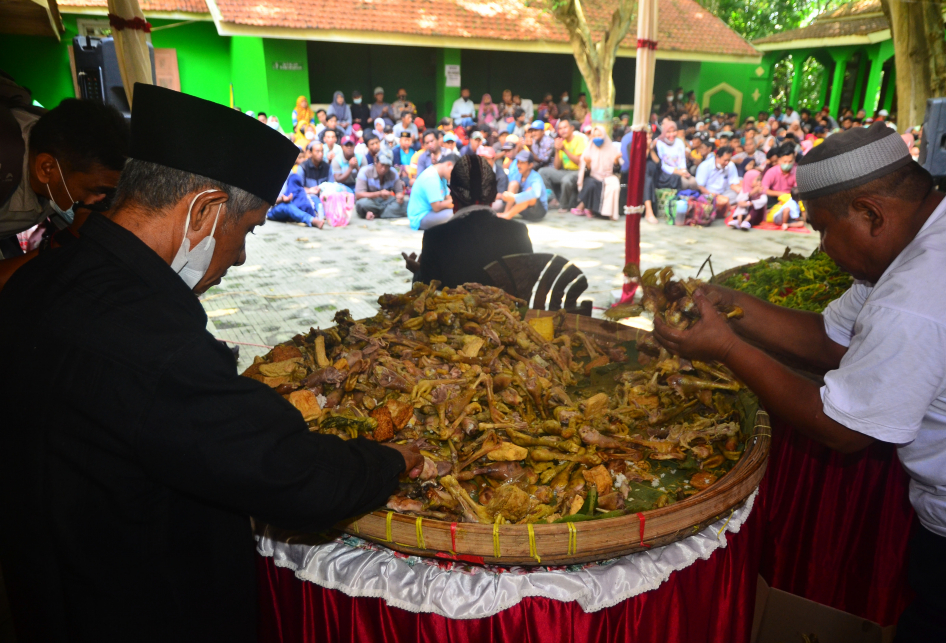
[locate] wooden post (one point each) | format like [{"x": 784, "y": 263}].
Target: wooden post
[{"x": 637, "y": 154}]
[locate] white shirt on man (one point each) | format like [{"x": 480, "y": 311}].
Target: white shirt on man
[
  {"x": 462, "y": 107},
  {"x": 715, "y": 179},
  {"x": 672, "y": 157},
  {"x": 891, "y": 384}
]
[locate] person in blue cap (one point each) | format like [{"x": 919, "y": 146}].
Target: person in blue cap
[
  {"x": 541, "y": 145},
  {"x": 526, "y": 196}
]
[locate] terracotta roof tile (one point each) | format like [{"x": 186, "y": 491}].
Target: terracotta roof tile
[
  {"x": 853, "y": 19},
  {"x": 176, "y": 6},
  {"x": 684, "y": 26}
]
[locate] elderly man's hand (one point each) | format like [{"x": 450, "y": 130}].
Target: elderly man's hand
[
  {"x": 413, "y": 460},
  {"x": 709, "y": 339},
  {"x": 508, "y": 196},
  {"x": 385, "y": 193}
]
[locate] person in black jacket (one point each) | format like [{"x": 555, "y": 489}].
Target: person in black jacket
[
  {"x": 456, "y": 252},
  {"x": 132, "y": 455}
]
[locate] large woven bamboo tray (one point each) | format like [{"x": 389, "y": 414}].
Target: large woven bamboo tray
[{"x": 568, "y": 543}]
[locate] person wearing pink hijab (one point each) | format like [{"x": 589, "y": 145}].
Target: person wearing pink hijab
[
  {"x": 750, "y": 202},
  {"x": 489, "y": 112}
]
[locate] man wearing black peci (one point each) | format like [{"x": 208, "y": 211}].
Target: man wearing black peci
[{"x": 132, "y": 455}]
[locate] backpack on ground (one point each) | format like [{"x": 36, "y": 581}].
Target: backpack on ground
[
  {"x": 701, "y": 211},
  {"x": 338, "y": 207}
]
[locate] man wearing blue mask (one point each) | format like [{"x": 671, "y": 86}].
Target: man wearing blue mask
[
  {"x": 137, "y": 477},
  {"x": 70, "y": 161}
]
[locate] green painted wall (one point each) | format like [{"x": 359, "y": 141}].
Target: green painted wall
[
  {"x": 248, "y": 74},
  {"x": 285, "y": 85},
  {"x": 40, "y": 64},
  {"x": 203, "y": 58},
  {"x": 742, "y": 78},
  {"x": 447, "y": 95}
]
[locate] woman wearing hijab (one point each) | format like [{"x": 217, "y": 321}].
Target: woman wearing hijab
[
  {"x": 489, "y": 112},
  {"x": 599, "y": 191},
  {"x": 342, "y": 112},
  {"x": 302, "y": 114},
  {"x": 750, "y": 203},
  {"x": 304, "y": 135}
]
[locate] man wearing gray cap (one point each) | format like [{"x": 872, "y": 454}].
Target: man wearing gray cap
[
  {"x": 882, "y": 345},
  {"x": 378, "y": 190}
]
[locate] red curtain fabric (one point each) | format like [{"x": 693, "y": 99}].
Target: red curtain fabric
[
  {"x": 710, "y": 601},
  {"x": 826, "y": 526},
  {"x": 836, "y": 526}
]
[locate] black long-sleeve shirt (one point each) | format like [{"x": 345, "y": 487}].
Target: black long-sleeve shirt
[
  {"x": 132, "y": 455},
  {"x": 456, "y": 252}
]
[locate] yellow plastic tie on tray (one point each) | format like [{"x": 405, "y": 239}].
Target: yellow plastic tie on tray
[
  {"x": 532, "y": 551},
  {"x": 355, "y": 528},
  {"x": 572, "y": 539},
  {"x": 723, "y": 528},
  {"x": 496, "y": 552},
  {"x": 387, "y": 526},
  {"x": 420, "y": 533}
]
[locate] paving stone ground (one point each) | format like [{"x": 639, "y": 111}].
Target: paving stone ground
[{"x": 296, "y": 277}]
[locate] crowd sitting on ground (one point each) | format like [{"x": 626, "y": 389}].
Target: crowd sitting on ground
[{"x": 382, "y": 160}]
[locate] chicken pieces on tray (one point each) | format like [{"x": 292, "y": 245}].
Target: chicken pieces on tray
[{"x": 518, "y": 421}]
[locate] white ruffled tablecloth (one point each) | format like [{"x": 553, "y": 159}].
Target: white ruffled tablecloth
[{"x": 464, "y": 591}]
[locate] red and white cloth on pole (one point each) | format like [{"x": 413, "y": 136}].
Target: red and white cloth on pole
[
  {"x": 643, "y": 91},
  {"x": 130, "y": 30}
]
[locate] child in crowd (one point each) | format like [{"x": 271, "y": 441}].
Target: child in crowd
[
  {"x": 750, "y": 202},
  {"x": 788, "y": 213}
]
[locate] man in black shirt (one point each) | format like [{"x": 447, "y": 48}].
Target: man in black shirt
[
  {"x": 132, "y": 455},
  {"x": 456, "y": 252},
  {"x": 360, "y": 113}
]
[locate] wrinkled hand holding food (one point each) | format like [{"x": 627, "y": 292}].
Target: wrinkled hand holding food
[
  {"x": 516, "y": 421},
  {"x": 666, "y": 299}
]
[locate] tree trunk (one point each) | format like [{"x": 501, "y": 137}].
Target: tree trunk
[
  {"x": 598, "y": 75},
  {"x": 919, "y": 54},
  {"x": 596, "y": 59}
]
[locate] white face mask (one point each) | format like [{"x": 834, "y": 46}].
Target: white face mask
[
  {"x": 310, "y": 136},
  {"x": 191, "y": 265},
  {"x": 67, "y": 215}
]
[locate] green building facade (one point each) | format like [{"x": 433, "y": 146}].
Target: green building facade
[{"x": 269, "y": 73}]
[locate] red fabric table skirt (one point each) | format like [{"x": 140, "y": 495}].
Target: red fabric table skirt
[
  {"x": 835, "y": 527},
  {"x": 828, "y": 527},
  {"x": 711, "y": 600}
]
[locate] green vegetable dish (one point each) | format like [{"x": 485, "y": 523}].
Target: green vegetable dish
[{"x": 793, "y": 281}]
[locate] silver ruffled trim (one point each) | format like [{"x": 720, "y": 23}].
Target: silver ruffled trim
[{"x": 461, "y": 591}]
